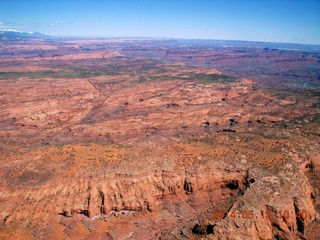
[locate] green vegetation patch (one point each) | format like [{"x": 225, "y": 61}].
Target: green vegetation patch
[
  {"x": 79, "y": 73},
  {"x": 212, "y": 78},
  {"x": 194, "y": 77}
]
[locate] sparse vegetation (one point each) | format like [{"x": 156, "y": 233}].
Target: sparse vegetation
[
  {"x": 212, "y": 78},
  {"x": 76, "y": 73},
  {"x": 196, "y": 121}
]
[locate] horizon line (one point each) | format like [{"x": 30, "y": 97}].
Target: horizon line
[{"x": 98, "y": 36}]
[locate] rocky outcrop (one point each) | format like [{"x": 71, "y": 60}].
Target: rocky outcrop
[
  {"x": 94, "y": 144},
  {"x": 116, "y": 192},
  {"x": 97, "y": 199},
  {"x": 278, "y": 205},
  {"x": 260, "y": 203},
  {"x": 140, "y": 193}
]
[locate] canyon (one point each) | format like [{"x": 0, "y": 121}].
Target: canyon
[{"x": 158, "y": 139}]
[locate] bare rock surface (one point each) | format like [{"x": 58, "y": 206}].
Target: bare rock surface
[{"x": 103, "y": 139}]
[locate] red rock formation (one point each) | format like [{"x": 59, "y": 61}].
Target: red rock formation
[{"x": 94, "y": 142}]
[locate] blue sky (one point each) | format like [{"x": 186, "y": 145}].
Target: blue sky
[{"x": 295, "y": 21}]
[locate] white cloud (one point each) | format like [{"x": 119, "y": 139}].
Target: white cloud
[
  {"x": 55, "y": 23},
  {"x": 14, "y": 26}
]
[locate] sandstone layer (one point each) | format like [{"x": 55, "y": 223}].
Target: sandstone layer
[{"x": 99, "y": 144}]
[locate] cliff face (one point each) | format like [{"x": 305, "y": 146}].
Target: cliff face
[
  {"x": 97, "y": 145},
  {"x": 277, "y": 203},
  {"x": 129, "y": 193},
  {"x": 171, "y": 195},
  {"x": 105, "y": 187}
]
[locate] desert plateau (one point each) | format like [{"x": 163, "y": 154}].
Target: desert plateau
[{"x": 130, "y": 138}]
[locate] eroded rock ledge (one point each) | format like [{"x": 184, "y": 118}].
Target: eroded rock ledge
[
  {"x": 170, "y": 202},
  {"x": 287, "y": 190}
]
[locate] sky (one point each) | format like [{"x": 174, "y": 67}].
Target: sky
[{"x": 290, "y": 21}]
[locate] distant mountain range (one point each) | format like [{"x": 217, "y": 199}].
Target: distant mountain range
[{"x": 12, "y": 34}]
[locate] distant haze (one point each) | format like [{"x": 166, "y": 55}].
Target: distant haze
[{"x": 291, "y": 21}]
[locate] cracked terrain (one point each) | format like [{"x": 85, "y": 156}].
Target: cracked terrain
[{"x": 147, "y": 139}]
